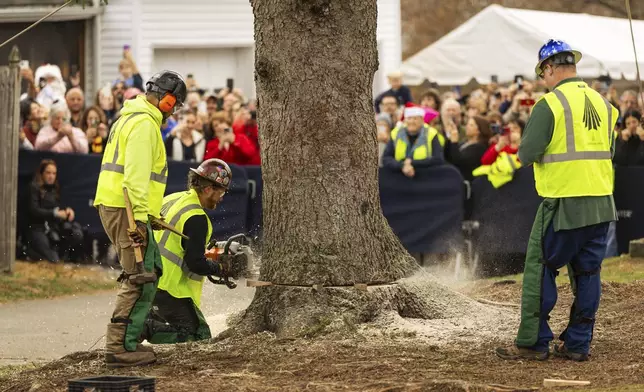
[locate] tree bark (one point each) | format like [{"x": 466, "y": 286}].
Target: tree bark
[
  {"x": 323, "y": 224},
  {"x": 315, "y": 61},
  {"x": 9, "y": 132}
]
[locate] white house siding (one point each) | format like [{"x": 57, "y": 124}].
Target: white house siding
[
  {"x": 389, "y": 41},
  {"x": 91, "y": 84},
  {"x": 182, "y": 34},
  {"x": 116, "y": 30}
]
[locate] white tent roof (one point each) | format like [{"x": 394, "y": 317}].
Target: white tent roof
[{"x": 505, "y": 42}]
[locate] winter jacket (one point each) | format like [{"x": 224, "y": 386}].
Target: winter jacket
[
  {"x": 251, "y": 131},
  {"x": 491, "y": 154},
  {"x": 241, "y": 152},
  {"x": 43, "y": 203},
  {"x": 630, "y": 153}
]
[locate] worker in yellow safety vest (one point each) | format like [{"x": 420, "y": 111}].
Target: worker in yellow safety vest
[
  {"x": 176, "y": 315},
  {"x": 135, "y": 159},
  {"x": 413, "y": 145},
  {"x": 570, "y": 140}
]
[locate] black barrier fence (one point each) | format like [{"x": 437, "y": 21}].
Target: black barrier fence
[
  {"x": 426, "y": 212},
  {"x": 629, "y": 200},
  {"x": 77, "y": 177}
]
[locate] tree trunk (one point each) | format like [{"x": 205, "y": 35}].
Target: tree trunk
[
  {"x": 323, "y": 225},
  {"x": 9, "y": 131}
]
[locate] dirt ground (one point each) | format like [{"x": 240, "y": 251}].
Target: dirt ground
[{"x": 391, "y": 362}]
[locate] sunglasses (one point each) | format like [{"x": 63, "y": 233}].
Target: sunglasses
[{"x": 542, "y": 70}]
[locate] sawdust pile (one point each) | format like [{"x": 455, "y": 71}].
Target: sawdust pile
[{"x": 459, "y": 317}]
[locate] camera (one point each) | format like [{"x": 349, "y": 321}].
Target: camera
[{"x": 499, "y": 130}]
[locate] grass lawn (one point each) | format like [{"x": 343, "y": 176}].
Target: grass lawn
[
  {"x": 45, "y": 280},
  {"x": 623, "y": 269}
]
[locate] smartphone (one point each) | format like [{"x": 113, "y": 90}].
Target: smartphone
[
  {"x": 499, "y": 130},
  {"x": 95, "y": 123},
  {"x": 495, "y": 79},
  {"x": 518, "y": 79},
  {"x": 126, "y": 47},
  {"x": 229, "y": 129},
  {"x": 24, "y": 64},
  {"x": 229, "y": 84}
]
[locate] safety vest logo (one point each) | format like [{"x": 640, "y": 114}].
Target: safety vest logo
[{"x": 591, "y": 117}]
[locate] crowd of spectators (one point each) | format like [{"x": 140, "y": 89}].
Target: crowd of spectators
[
  {"x": 474, "y": 129},
  {"x": 480, "y": 133},
  {"x": 58, "y": 116},
  {"x": 467, "y": 131},
  {"x": 55, "y": 117}
]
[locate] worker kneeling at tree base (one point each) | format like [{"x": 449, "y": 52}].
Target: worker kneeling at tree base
[{"x": 176, "y": 316}]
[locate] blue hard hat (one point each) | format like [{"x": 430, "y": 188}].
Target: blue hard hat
[{"x": 551, "y": 48}]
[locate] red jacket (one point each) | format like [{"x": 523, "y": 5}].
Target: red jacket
[
  {"x": 491, "y": 154},
  {"x": 241, "y": 152},
  {"x": 251, "y": 132}
]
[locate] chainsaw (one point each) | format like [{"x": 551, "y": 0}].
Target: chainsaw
[{"x": 232, "y": 246}]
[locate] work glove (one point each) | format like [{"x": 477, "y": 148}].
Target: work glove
[
  {"x": 139, "y": 236},
  {"x": 232, "y": 266},
  {"x": 154, "y": 222}
]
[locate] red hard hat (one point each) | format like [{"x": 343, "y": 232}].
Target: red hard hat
[{"x": 216, "y": 171}]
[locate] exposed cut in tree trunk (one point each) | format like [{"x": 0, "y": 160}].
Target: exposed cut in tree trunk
[{"x": 323, "y": 225}]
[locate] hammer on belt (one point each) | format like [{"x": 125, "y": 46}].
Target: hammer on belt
[{"x": 143, "y": 276}]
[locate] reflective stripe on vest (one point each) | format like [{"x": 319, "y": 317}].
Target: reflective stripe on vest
[
  {"x": 115, "y": 167},
  {"x": 165, "y": 252},
  {"x": 577, "y": 160},
  {"x": 422, "y": 148},
  {"x": 571, "y": 153},
  {"x": 511, "y": 161}
]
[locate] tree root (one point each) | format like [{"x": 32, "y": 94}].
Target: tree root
[{"x": 305, "y": 312}]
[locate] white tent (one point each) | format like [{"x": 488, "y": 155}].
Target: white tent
[{"x": 505, "y": 42}]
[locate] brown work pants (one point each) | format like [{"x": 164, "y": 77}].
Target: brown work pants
[{"x": 116, "y": 224}]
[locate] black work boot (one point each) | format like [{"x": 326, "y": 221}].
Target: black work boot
[
  {"x": 562, "y": 352},
  {"x": 521, "y": 353}
]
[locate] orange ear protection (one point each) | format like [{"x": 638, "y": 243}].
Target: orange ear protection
[{"x": 167, "y": 102}]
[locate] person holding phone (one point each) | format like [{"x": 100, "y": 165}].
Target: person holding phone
[
  {"x": 630, "y": 145},
  {"x": 522, "y": 102},
  {"x": 187, "y": 142},
  {"x": 129, "y": 73},
  {"x": 509, "y": 141},
  {"x": 235, "y": 148},
  {"x": 94, "y": 124}
]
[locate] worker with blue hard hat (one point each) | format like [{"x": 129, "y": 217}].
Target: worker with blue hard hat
[{"x": 570, "y": 140}]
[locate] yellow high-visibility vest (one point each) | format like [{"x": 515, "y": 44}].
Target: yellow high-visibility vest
[
  {"x": 177, "y": 278},
  {"x": 501, "y": 171},
  {"x": 422, "y": 148},
  {"x": 578, "y": 160},
  {"x": 134, "y": 142}
]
